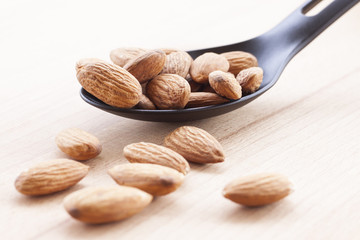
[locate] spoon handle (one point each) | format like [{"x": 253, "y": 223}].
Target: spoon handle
[{"x": 297, "y": 30}]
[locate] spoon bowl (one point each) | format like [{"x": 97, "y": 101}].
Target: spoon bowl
[{"x": 273, "y": 50}]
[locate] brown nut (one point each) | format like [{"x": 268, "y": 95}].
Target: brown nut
[
  {"x": 168, "y": 91},
  {"x": 50, "y": 176},
  {"x": 250, "y": 79},
  {"x": 178, "y": 62},
  {"x": 206, "y": 63},
  {"x": 225, "y": 85},
  {"x": 147, "y": 65},
  {"x": 240, "y": 60},
  {"x": 152, "y": 178},
  {"x": 144, "y": 152},
  {"x": 110, "y": 83},
  {"x": 78, "y": 144},
  {"x": 121, "y": 56},
  {"x": 195, "y": 145},
  {"x": 202, "y": 99},
  {"x": 258, "y": 189},
  {"x": 106, "y": 204}
]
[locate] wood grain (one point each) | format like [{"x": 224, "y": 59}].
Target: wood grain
[{"x": 306, "y": 127}]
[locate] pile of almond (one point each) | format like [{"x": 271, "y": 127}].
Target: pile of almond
[
  {"x": 169, "y": 78},
  {"x": 153, "y": 170}
]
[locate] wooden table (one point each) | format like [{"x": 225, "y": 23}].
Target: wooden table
[{"x": 306, "y": 127}]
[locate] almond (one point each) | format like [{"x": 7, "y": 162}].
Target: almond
[
  {"x": 106, "y": 204},
  {"x": 258, "y": 189},
  {"x": 78, "y": 144},
  {"x": 168, "y": 91},
  {"x": 50, "y": 176},
  {"x": 110, "y": 83},
  {"x": 195, "y": 145},
  {"x": 146, "y": 103},
  {"x": 225, "y": 84},
  {"x": 240, "y": 60},
  {"x": 152, "y": 178},
  {"x": 147, "y": 65},
  {"x": 121, "y": 56},
  {"x": 143, "y": 152},
  {"x": 206, "y": 63},
  {"x": 178, "y": 62},
  {"x": 250, "y": 79},
  {"x": 201, "y": 99}
]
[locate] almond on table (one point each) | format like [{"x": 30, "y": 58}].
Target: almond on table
[
  {"x": 258, "y": 189},
  {"x": 78, "y": 144},
  {"x": 152, "y": 178},
  {"x": 50, "y": 177},
  {"x": 195, "y": 145},
  {"x": 144, "y": 152},
  {"x": 106, "y": 204}
]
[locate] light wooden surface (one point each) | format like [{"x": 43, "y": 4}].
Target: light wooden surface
[{"x": 306, "y": 127}]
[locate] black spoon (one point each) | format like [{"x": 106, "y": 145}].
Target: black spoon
[{"x": 273, "y": 49}]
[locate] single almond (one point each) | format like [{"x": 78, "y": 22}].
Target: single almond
[
  {"x": 50, "y": 176},
  {"x": 178, "y": 62},
  {"x": 147, "y": 65},
  {"x": 225, "y": 84},
  {"x": 240, "y": 60},
  {"x": 121, "y": 56},
  {"x": 206, "y": 63},
  {"x": 110, "y": 83},
  {"x": 195, "y": 145},
  {"x": 152, "y": 178},
  {"x": 144, "y": 152},
  {"x": 106, "y": 204},
  {"x": 168, "y": 91},
  {"x": 202, "y": 99},
  {"x": 258, "y": 189},
  {"x": 78, "y": 144},
  {"x": 250, "y": 79}
]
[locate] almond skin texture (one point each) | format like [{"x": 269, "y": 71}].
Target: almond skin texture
[
  {"x": 78, "y": 144},
  {"x": 121, "y": 56},
  {"x": 195, "y": 145},
  {"x": 202, "y": 99},
  {"x": 82, "y": 62},
  {"x": 143, "y": 152},
  {"x": 250, "y": 79},
  {"x": 167, "y": 51},
  {"x": 147, "y": 65},
  {"x": 225, "y": 84},
  {"x": 152, "y": 178},
  {"x": 106, "y": 204},
  {"x": 168, "y": 91},
  {"x": 146, "y": 103},
  {"x": 258, "y": 189},
  {"x": 178, "y": 62},
  {"x": 240, "y": 60},
  {"x": 110, "y": 83},
  {"x": 50, "y": 177},
  {"x": 203, "y": 65}
]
